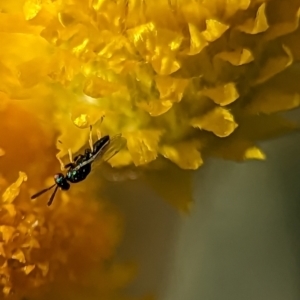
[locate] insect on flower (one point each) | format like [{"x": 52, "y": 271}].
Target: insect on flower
[{"x": 80, "y": 167}]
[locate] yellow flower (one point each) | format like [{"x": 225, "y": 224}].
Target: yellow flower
[
  {"x": 181, "y": 80},
  {"x": 178, "y": 79}
]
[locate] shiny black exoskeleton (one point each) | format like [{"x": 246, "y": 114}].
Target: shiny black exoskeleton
[{"x": 80, "y": 168}]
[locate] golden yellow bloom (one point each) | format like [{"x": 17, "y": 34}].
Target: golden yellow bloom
[
  {"x": 175, "y": 77},
  {"x": 181, "y": 80}
]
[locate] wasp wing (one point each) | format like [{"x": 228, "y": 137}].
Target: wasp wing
[{"x": 116, "y": 143}]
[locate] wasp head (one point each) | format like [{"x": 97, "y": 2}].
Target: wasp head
[{"x": 61, "y": 181}]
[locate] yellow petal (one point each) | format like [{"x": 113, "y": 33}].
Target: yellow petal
[
  {"x": 28, "y": 269},
  {"x": 170, "y": 88},
  {"x": 258, "y": 24},
  {"x": 219, "y": 121},
  {"x": 82, "y": 121},
  {"x": 223, "y": 94},
  {"x": 140, "y": 34},
  {"x": 165, "y": 64},
  {"x": 31, "y": 8},
  {"x": 239, "y": 150},
  {"x": 19, "y": 256},
  {"x": 13, "y": 191},
  {"x": 2, "y": 152},
  {"x": 97, "y": 87},
  {"x": 197, "y": 40},
  {"x": 254, "y": 153},
  {"x": 84, "y": 115},
  {"x": 7, "y": 232},
  {"x": 185, "y": 154},
  {"x": 10, "y": 209},
  {"x": 238, "y": 57},
  {"x": 214, "y": 29},
  {"x": 143, "y": 145},
  {"x": 155, "y": 107}
]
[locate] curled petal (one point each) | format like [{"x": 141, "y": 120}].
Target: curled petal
[
  {"x": 19, "y": 256},
  {"x": 165, "y": 64},
  {"x": 214, "y": 29},
  {"x": 254, "y": 153},
  {"x": 222, "y": 95},
  {"x": 139, "y": 34},
  {"x": 219, "y": 121},
  {"x": 185, "y": 154},
  {"x": 143, "y": 146},
  {"x": 256, "y": 25},
  {"x": 28, "y": 269},
  {"x": 155, "y": 107},
  {"x": 13, "y": 191},
  {"x": 238, "y": 57},
  {"x": 170, "y": 88},
  {"x": 197, "y": 40},
  {"x": 97, "y": 87}
]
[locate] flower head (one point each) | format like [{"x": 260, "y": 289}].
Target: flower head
[
  {"x": 172, "y": 77},
  {"x": 181, "y": 80}
]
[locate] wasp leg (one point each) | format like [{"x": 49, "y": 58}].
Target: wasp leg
[
  {"x": 62, "y": 166},
  {"x": 91, "y": 139},
  {"x": 69, "y": 165},
  {"x": 70, "y": 155},
  {"x": 98, "y": 134}
]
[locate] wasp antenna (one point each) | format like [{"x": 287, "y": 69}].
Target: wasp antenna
[
  {"x": 52, "y": 196},
  {"x": 42, "y": 191}
]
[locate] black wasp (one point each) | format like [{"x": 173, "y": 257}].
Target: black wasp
[{"x": 80, "y": 167}]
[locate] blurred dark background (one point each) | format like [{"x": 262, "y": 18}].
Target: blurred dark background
[{"x": 241, "y": 241}]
